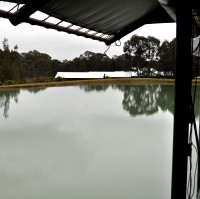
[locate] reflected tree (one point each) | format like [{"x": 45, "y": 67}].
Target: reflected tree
[
  {"x": 35, "y": 90},
  {"x": 5, "y": 97},
  {"x": 166, "y": 98},
  {"x": 91, "y": 88},
  {"x": 147, "y": 99},
  {"x": 137, "y": 100},
  {"x": 141, "y": 99}
]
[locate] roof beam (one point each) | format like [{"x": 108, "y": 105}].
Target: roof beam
[
  {"x": 45, "y": 24},
  {"x": 26, "y": 11}
]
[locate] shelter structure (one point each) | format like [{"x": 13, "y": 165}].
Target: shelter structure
[
  {"x": 94, "y": 75},
  {"x": 109, "y": 21},
  {"x": 105, "y": 21}
]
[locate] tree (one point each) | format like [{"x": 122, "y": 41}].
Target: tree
[
  {"x": 167, "y": 57},
  {"x": 90, "y": 61},
  {"x": 5, "y": 44},
  {"x": 121, "y": 63},
  {"x": 37, "y": 64},
  {"x": 143, "y": 51}
]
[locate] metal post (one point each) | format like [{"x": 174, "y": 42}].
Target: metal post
[
  {"x": 182, "y": 98},
  {"x": 198, "y": 171}
]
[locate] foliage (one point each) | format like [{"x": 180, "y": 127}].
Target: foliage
[
  {"x": 142, "y": 51},
  {"x": 167, "y": 55},
  {"x": 5, "y": 44},
  {"x": 59, "y": 79},
  {"x": 145, "y": 56},
  {"x": 9, "y": 82}
]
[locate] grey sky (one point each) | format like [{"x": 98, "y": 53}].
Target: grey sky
[{"x": 62, "y": 46}]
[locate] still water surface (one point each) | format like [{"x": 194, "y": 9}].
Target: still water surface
[{"x": 88, "y": 142}]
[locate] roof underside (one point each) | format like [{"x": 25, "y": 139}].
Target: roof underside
[{"x": 104, "y": 20}]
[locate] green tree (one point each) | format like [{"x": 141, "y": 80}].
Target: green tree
[
  {"x": 5, "y": 45},
  {"x": 91, "y": 61},
  {"x": 167, "y": 58},
  {"x": 143, "y": 51},
  {"x": 121, "y": 63},
  {"x": 37, "y": 64},
  {"x": 135, "y": 47}
]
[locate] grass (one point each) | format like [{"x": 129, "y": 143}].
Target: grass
[{"x": 133, "y": 81}]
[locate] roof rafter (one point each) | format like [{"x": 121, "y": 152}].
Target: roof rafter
[
  {"x": 22, "y": 14},
  {"x": 58, "y": 27}
]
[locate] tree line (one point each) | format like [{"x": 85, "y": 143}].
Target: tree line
[{"x": 147, "y": 57}]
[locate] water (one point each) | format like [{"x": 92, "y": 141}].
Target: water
[{"x": 92, "y": 142}]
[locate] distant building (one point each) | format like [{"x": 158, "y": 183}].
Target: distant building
[{"x": 94, "y": 75}]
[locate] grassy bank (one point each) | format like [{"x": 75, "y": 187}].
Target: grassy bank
[
  {"x": 91, "y": 82},
  {"x": 133, "y": 81}
]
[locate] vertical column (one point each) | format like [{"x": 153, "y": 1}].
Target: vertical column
[{"x": 182, "y": 98}]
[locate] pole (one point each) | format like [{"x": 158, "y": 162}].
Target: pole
[{"x": 182, "y": 98}]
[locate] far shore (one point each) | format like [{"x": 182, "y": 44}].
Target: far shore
[{"x": 134, "y": 81}]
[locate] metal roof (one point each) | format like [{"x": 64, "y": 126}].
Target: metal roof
[
  {"x": 95, "y": 75},
  {"x": 104, "y": 20}
]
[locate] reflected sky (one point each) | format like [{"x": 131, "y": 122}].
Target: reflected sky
[{"x": 65, "y": 142}]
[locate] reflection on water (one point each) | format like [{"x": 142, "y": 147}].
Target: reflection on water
[
  {"x": 142, "y": 99},
  {"x": 7, "y": 95},
  {"x": 147, "y": 99},
  {"x": 98, "y": 88},
  {"x": 137, "y": 99},
  {"x": 71, "y": 142}
]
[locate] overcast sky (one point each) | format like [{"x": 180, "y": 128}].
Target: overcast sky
[{"x": 62, "y": 46}]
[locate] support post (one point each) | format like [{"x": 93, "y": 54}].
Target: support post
[{"x": 183, "y": 81}]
